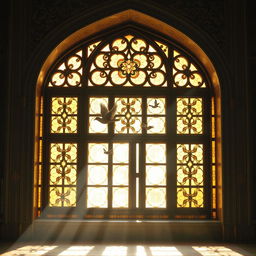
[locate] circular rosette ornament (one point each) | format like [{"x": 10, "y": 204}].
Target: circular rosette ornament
[{"x": 128, "y": 68}]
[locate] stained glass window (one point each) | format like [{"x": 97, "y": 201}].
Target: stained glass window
[{"x": 127, "y": 130}]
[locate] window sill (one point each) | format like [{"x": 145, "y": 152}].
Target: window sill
[{"x": 126, "y": 230}]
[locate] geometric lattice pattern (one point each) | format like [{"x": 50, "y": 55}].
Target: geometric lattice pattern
[
  {"x": 69, "y": 73},
  {"x": 189, "y": 116},
  {"x": 63, "y": 174},
  {"x": 185, "y": 74},
  {"x": 151, "y": 155},
  {"x": 190, "y": 175},
  {"x": 128, "y": 61},
  {"x": 64, "y": 115}
]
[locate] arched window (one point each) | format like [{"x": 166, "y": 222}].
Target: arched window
[{"x": 154, "y": 158}]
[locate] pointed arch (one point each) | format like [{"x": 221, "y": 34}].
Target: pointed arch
[{"x": 153, "y": 25}]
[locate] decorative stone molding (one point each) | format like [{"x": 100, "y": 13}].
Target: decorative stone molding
[{"x": 207, "y": 15}]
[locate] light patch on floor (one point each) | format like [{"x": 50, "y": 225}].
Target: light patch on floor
[{"x": 124, "y": 250}]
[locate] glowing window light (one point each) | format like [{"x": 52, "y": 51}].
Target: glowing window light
[
  {"x": 30, "y": 250},
  {"x": 164, "y": 251},
  {"x": 77, "y": 250},
  {"x": 115, "y": 251},
  {"x": 215, "y": 251},
  {"x": 140, "y": 251}
]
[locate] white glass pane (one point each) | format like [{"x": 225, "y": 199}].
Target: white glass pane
[
  {"x": 97, "y": 174},
  {"x": 120, "y": 152},
  {"x": 120, "y": 174},
  {"x": 155, "y": 153},
  {"x": 96, "y": 153},
  {"x": 155, "y": 175},
  {"x": 120, "y": 197},
  {"x": 97, "y": 197},
  {"x": 155, "y": 197}
]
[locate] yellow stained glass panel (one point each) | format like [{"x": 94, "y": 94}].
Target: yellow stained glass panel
[
  {"x": 198, "y": 197},
  {"x": 64, "y": 125},
  {"x": 197, "y": 175},
  {"x": 190, "y": 153},
  {"x": 182, "y": 175},
  {"x": 64, "y": 115},
  {"x": 67, "y": 198},
  {"x": 70, "y": 197},
  {"x": 60, "y": 175},
  {"x": 138, "y": 44},
  {"x": 128, "y": 61},
  {"x": 180, "y": 63},
  {"x": 213, "y": 152},
  {"x": 119, "y": 44},
  {"x": 54, "y": 200},
  {"x": 182, "y": 197},
  {"x": 214, "y": 198},
  {"x": 131, "y": 125},
  {"x": 190, "y": 197},
  {"x": 190, "y": 176},
  {"x": 68, "y": 73},
  {"x": 213, "y": 175},
  {"x": 189, "y": 116},
  {"x": 64, "y": 104},
  {"x": 99, "y": 77},
  {"x": 66, "y": 152},
  {"x": 74, "y": 62},
  {"x": 185, "y": 73},
  {"x": 129, "y": 111}
]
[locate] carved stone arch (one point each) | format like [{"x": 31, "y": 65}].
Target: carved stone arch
[{"x": 209, "y": 60}]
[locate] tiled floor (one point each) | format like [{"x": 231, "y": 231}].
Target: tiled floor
[{"x": 101, "y": 249}]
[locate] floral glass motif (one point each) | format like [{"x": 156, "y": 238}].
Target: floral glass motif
[
  {"x": 155, "y": 175},
  {"x": 129, "y": 113},
  {"x": 64, "y": 115},
  {"x": 185, "y": 74},
  {"x": 68, "y": 73},
  {"x": 63, "y": 175},
  {"x": 128, "y": 61},
  {"x": 189, "y": 116},
  {"x": 190, "y": 191}
]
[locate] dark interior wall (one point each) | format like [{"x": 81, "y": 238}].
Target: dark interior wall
[
  {"x": 4, "y": 27},
  {"x": 251, "y": 40},
  {"x": 224, "y": 23}
]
